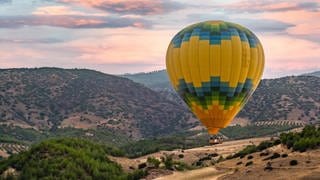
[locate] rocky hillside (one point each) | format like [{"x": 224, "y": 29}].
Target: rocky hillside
[
  {"x": 51, "y": 98},
  {"x": 295, "y": 98},
  {"x": 289, "y": 98}
]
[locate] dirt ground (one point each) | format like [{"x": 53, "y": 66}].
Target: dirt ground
[
  {"x": 308, "y": 167},
  {"x": 191, "y": 155}
]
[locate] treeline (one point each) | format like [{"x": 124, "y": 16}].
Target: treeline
[
  {"x": 177, "y": 141},
  {"x": 250, "y": 131},
  {"x": 308, "y": 138},
  {"x": 67, "y": 158}
]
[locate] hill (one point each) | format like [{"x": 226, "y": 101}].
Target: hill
[
  {"x": 64, "y": 159},
  {"x": 293, "y": 98},
  {"x": 316, "y": 73},
  {"x": 155, "y": 80},
  {"x": 51, "y": 98}
]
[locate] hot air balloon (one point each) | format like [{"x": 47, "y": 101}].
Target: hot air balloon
[{"x": 215, "y": 66}]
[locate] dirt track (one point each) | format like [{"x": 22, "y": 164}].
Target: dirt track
[{"x": 208, "y": 173}]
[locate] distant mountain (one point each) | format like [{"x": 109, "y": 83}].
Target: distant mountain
[
  {"x": 154, "y": 80},
  {"x": 316, "y": 73},
  {"x": 53, "y": 98},
  {"x": 295, "y": 98}
]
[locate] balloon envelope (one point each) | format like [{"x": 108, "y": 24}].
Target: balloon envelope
[{"x": 215, "y": 66}]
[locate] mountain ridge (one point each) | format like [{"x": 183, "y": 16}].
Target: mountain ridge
[
  {"x": 54, "y": 98},
  {"x": 283, "y": 91}
]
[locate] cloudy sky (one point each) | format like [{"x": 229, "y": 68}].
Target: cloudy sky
[{"x": 127, "y": 36}]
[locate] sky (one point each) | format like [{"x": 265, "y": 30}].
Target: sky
[{"x": 129, "y": 36}]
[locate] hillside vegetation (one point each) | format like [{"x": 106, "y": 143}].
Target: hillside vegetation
[
  {"x": 294, "y": 98},
  {"x": 65, "y": 159},
  {"x": 51, "y": 98}
]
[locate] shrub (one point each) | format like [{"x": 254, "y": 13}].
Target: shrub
[
  {"x": 276, "y": 142},
  {"x": 137, "y": 174},
  {"x": 249, "y": 163},
  {"x": 250, "y": 157},
  {"x": 153, "y": 162},
  {"x": 264, "y": 145},
  {"x": 181, "y": 156},
  {"x": 229, "y": 157},
  {"x": 264, "y": 154},
  {"x": 168, "y": 162},
  {"x": 142, "y": 165},
  {"x": 247, "y": 150},
  {"x": 181, "y": 166},
  {"x": 220, "y": 159},
  {"x": 274, "y": 156},
  {"x": 309, "y": 138},
  {"x": 240, "y": 162},
  {"x": 268, "y": 168},
  {"x": 284, "y": 155},
  {"x": 213, "y": 155},
  {"x": 293, "y": 162}
]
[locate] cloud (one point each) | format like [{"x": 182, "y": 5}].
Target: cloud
[
  {"x": 264, "y": 25},
  {"x": 139, "y": 7},
  {"x": 271, "y": 6},
  {"x": 256, "y": 25},
  {"x": 305, "y": 23},
  {"x": 286, "y": 54},
  {"x": 31, "y": 41},
  {"x": 63, "y": 10},
  {"x": 126, "y": 46},
  {"x": 5, "y": 1},
  {"x": 68, "y": 21}
]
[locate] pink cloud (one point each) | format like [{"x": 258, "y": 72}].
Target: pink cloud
[
  {"x": 62, "y": 10},
  {"x": 71, "y": 21},
  {"x": 284, "y": 53},
  {"x": 272, "y": 6},
  {"x": 127, "y": 45},
  {"x": 143, "y": 7},
  {"x": 305, "y": 22}
]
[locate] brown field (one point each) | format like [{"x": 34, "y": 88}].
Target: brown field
[{"x": 308, "y": 166}]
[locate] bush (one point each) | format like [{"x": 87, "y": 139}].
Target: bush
[
  {"x": 181, "y": 166},
  {"x": 229, "y": 157},
  {"x": 309, "y": 138},
  {"x": 274, "y": 156},
  {"x": 142, "y": 165},
  {"x": 264, "y": 154},
  {"x": 240, "y": 162},
  {"x": 137, "y": 174},
  {"x": 264, "y": 145},
  {"x": 247, "y": 150},
  {"x": 153, "y": 162},
  {"x": 249, "y": 163},
  {"x": 268, "y": 167},
  {"x": 213, "y": 155},
  {"x": 276, "y": 142},
  {"x": 250, "y": 157},
  {"x": 168, "y": 162},
  {"x": 181, "y": 156},
  {"x": 284, "y": 155},
  {"x": 293, "y": 162}
]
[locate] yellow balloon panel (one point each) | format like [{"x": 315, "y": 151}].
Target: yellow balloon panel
[{"x": 215, "y": 66}]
